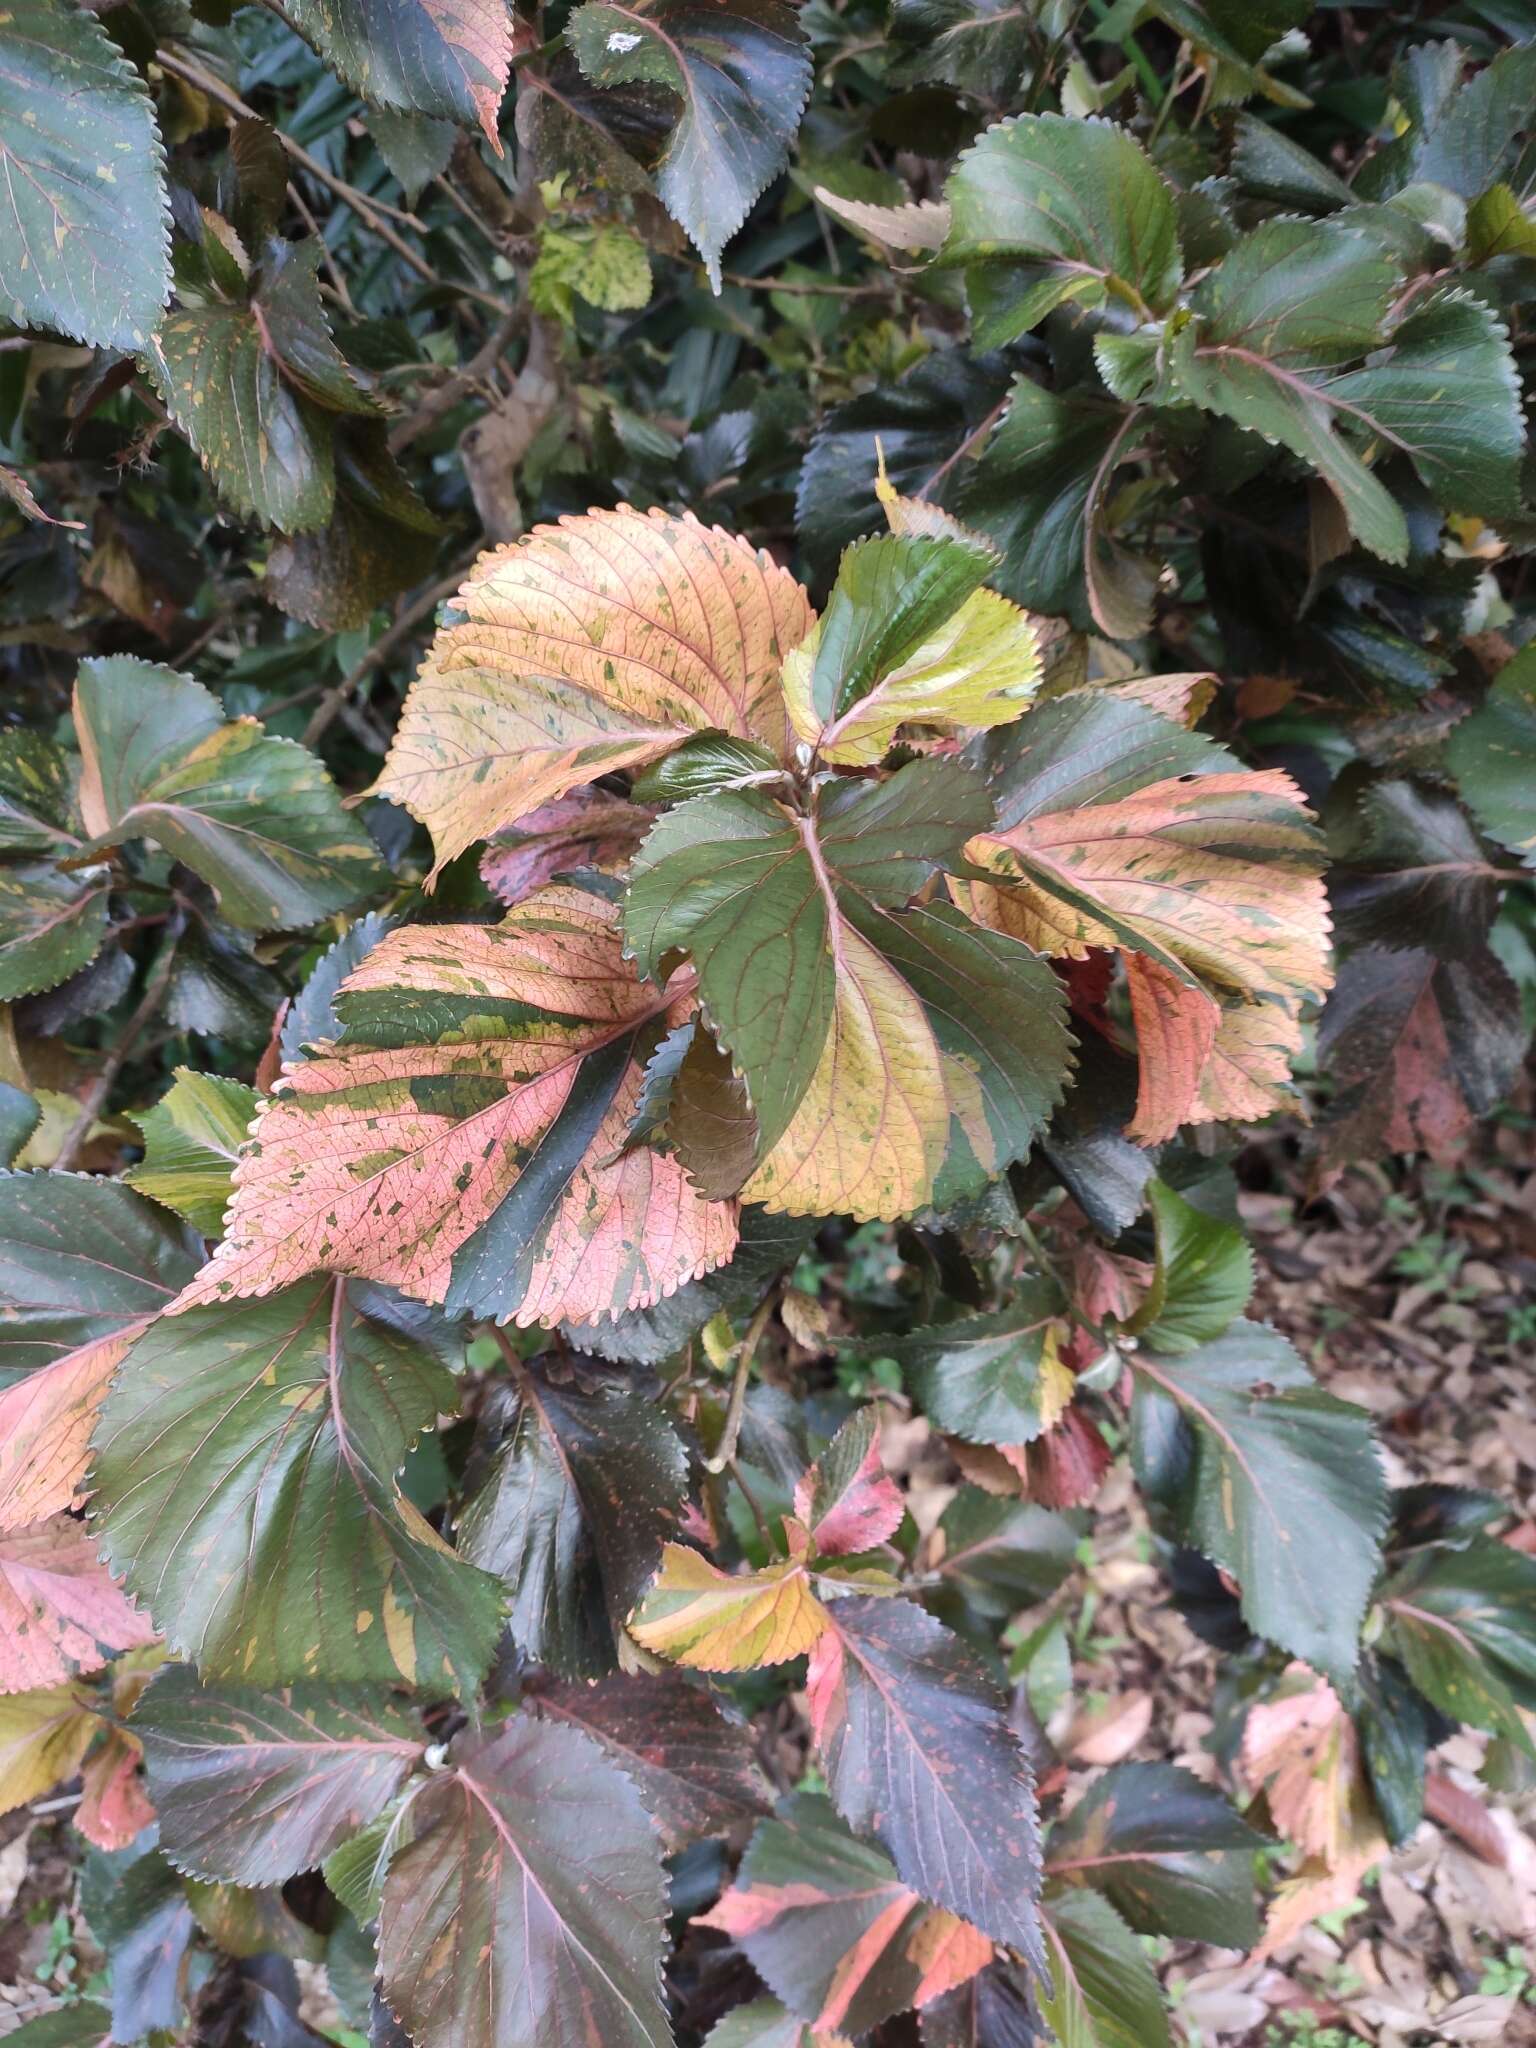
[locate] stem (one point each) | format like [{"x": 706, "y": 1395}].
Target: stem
[
  {"x": 101, "y": 1087},
  {"x": 804, "y": 287},
  {"x": 726, "y": 1454}
]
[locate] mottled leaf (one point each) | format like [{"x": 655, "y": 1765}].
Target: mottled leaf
[
  {"x": 450, "y": 58},
  {"x": 941, "y": 1048},
  {"x": 43, "y": 1737},
  {"x": 586, "y": 1488},
  {"x": 597, "y": 644},
  {"x": 257, "y": 818},
  {"x": 831, "y": 1929},
  {"x": 741, "y": 73},
  {"x": 847, "y": 1500},
  {"x": 695, "y": 1768},
  {"x": 1277, "y": 1482},
  {"x": 52, "y": 923},
  {"x": 253, "y": 1786},
  {"x": 1166, "y": 1850},
  {"x": 46, "y": 1421},
  {"x": 311, "y": 1017},
  {"x": 192, "y": 1138},
  {"x": 245, "y": 1473},
  {"x": 713, "y": 1620},
  {"x": 60, "y": 1610},
  {"x": 530, "y": 1906},
  {"x": 587, "y": 828},
  {"x": 918, "y": 1749},
  {"x": 84, "y": 225}
]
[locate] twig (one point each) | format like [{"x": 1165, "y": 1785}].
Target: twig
[
  {"x": 96, "y": 1095},
  {"x": 332, "y": 269},
  {"x": 452, "y": 389},
  {"x": 726, "y": 1453},
  {"x": 806, "y": 287},
  {"x": 370, "y": 211},
  {"x": 391, "y": 638},
  {"x": 753, "y": 1505}
]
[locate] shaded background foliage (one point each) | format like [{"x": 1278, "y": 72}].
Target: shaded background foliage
[{"x": 346, "y": 294}]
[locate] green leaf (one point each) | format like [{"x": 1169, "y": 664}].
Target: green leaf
[
  {"x": 380, "y": 538},
  {"x": 1290, "y": 303},
  {"x": 1463, "y": 1619},
  {"x": 531, "y": 1905},
  {"x": 696, "y": 1769},
  {"x": 1397, "y": 1728},
  {"x": 1202, "y": 1279},
  {"x": 52, "y": 924},
  {"x": 1046, "y": 209},
  {"x": 1462, "y": 135},
  {"x": 255, "y": 388},
  {"x": 37, "y": 795},
  {"x": 918, "y": 1750},
  {"x": 415, "y": 146},
  {"x": 84, "y": 224},
  {"x": 192, "y": 1138},
  {"x": 944, "y": 1049},
  {"x": 1491, "y": 754},
  {"x": 20, "y": 1115},
  {"x": 1166, "y": 1850},
  {"x": 1104, "y": 1992},
  {"x": 450, "y": 58},
  {"x": 1001, "y": 1554},
  {"x": 257, "y": 818},
  {"x": 253, "y": 1787},
  {"x": 980, "y": 1377},
  {"x": 763, "y": 2023},
  {"x": 585, "y": 1490},
  {"x": 829, "y": 1926},
  {"x": 1039, "y": 488},
  {"x": 85, "y": 2024},
  {"x": 1275, "y": 1481},
  {"x": 312, "y": 1014},
  {"x": 245, "y": 1473},
  {"x": 81, "y": 1260},
  {"x": 741, "y": 72}
]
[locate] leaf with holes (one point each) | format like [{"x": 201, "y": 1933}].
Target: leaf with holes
[
  {"x": 245, "y": 1473},
  {"x": 942, "y": 1047},
  {"x": 531, "y": 1905},
  {"x": 831, "y": 1929},
  {"x": 598, "y": 644},
  {"x": 252, "y": 1787},
  {"x": 464, "y": 1139}
]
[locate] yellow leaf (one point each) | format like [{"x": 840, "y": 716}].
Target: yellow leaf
[
  {"x": 698, "y": 1615},
  {"x": 43, "y": 1736}
]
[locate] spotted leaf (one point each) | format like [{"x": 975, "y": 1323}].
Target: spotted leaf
[{"x": 61, "y": 1611}]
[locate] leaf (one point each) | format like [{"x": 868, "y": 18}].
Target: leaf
[
  {"x": 1490, "y": 753},
  {"x": 84, "y": 230},
  {"x": 1039, "y": 488},
  {"x": 741, "y": 73},
  {"x": 1115, "y": 828},
  {"x": 1000, "y": 1554},
  {"x": 1462, "y": 134},
  {"x": 257, "y": 818},
  {"x": 581, "y": 650},
  {"x": 256, "y": 387},
  {"x": 45, "y": 1430},
  {"x": 942, "y": 1048},
  {"x": 114, "y": 1809},
  {"x": 450, "y": 58},
  {"x": 245, "y": 1473},
  {"x": 37, "y": 795},
  {"x": 145, "y": 1924},
  {"x": 253, "y": 1787},
  {"x": 847, "y": 1500},
  {"x": 81, "y": 1260},
  {"x": 1460, "y": 1617},
  {"x": 994, "y": 2010},
  {"x": 918, "y": 1749},
  {"x": 20, "y": 1116},
  {"x": 52, "y": 923},
  {"x": 1046, "y": 209},
  {"x": 908, "y": 636},
  {"x": 464, "y": 1139},
  {"x": 60, "y": 1611},
  {"x": 918, "y": 227},
  {"x": 531, "y": 1905},
  {"x": 696, "y": 1770},
  {"x": 311, "y": 1017},
  {"x": 1411, "y": 872},
  {"x": 1280, "y": 1484},
  {"x": 587, "y": 828},
  {"x": 1166, "y": 1850},
  {"x": 831, "y": 1929},
  {"x": 43, "y": 1737},
  {"x": 1292, "y": 302},
  {"x": 983, "y": 1377},
  {"x": 584, "y": 1492},
  {"x": 764, "y": 2023},
  {"x": 713, "y": 1620},
  {"x": 380, "y": 538},
  {"x": 1418, "y": 1048},
  {"x": 1104, "y": 1992},
  {"x": 1202, "y": 1279},
  {"x": 192, "y": 1138}
]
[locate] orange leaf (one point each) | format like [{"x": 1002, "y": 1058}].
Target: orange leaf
[
  {"x": 45, "y": 1429},
  {"x": 61, "y": 1611}
]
